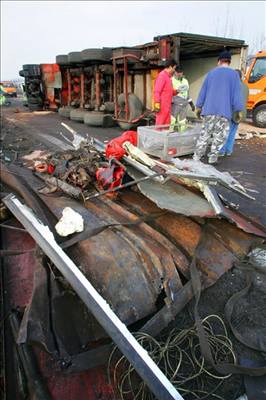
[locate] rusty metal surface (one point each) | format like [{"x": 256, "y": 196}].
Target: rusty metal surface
[
  {"x": 132, "y": 266},
  {"x": 130, "y": 261},
  {"x": 67, "y": 376},
  {"x": 224, "y": 241},
  {"x": 117, "y": 261},
  {"x": 190, "y": 202}
]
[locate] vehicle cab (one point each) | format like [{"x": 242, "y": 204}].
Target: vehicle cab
[
  {"x": 256, "y": 80},
  {"x": 9, "y": 88}
]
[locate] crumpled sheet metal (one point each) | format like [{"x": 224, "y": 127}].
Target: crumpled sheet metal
[
  {"x": 180, "y": 200},
  {"x": 132, "y": 266},
  {"x": 120, "y": 260},
  {"x": 206, "y": 170},
  {"x": 186, "y": 232},
  {"x": 173, "y": 197}
]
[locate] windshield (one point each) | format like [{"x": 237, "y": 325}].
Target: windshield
[
  {"x": 258, "y": 70},
  {"x": 7, "y": 84}
]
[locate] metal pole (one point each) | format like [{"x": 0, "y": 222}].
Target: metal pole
[
  {"x": 126, "y": 185},
  {"x": 134, "y": 352},
  {"x": 68, "y": 87},
  {"x": 82, "y": 89},
  {"x": 115, "y": 88},
  {"x": 97, "y": 89},
  {"x": 126, "y": 88}
]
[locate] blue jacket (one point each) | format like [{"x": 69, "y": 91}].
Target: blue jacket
[{"x": 221, "y": 93}]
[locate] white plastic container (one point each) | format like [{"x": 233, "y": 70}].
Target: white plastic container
[{"x": 161, "y": 141}]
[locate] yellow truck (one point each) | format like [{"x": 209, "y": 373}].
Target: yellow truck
[
  {"x": 256, "y": 80},
  {"x": 9, "y": 88}
]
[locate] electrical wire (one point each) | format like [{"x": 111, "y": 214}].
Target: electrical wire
[{"x": 179, "y": 357}]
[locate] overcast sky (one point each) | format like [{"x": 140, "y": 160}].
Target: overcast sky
[{"x": 36, "y": 31}]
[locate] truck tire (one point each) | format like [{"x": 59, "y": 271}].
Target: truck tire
[
  {"x": 74, "y": 57},
  {"x": 135, "y": 109},
  {"x": 21, "y": 73},
  {"x": 64, "y": 112},
  {"x": 104, "y": 54},
  {"x": 108, "y": 121},
  {"x": 259, "y": 116},
  {"x": 77, "y": 115},
  {"x": 108, "y": 107},
  {"x": 94, "y": 118},
  {"x": 32, "y": 69},
  {"x": 106, "y": 69},
  {"x": 62, "y": 59}
]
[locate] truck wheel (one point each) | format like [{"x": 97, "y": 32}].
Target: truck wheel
[
  {"x": 108, "y": 107},
  {"x": 94, "y": 118},
  {"x": 106, "y": 69},
  {"x": 104, "y": 54},
  {"x": 64, "y": 112},
  {"x": 32, "y": 69},
  {"x": 74, "y": 57},
  {"x": 259, "y": 116},
  {"x": 77, "y": 115},
  {"x": 62, "y": 59},
  {"x": 21, "y": 73},
  {"x": 135, "y": 109},
  {"x": 108, "y": 121}
]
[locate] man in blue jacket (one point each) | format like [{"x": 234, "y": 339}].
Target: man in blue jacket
[{"x": 219, "y": 99}]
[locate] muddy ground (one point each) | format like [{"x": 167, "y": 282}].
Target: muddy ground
[{"x": 23, "y": 132}]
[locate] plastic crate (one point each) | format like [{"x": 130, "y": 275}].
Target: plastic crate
[{"x": 161, "y": 141}]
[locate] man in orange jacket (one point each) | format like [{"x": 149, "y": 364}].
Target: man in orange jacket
[{"x": 163, "y": 94}]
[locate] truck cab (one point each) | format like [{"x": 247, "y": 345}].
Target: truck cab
[
  {"x": 9, "y": 88},
  {"x": 256, "y": 80}
]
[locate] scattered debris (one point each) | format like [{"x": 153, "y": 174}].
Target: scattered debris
[
  {"x": 249, "y": 134},
  {"x": 257, "y": 257},
  {"x": 42, "y": 112},
  {"x": 59, "y": 184},
  {"x": 145, "y": 249},
  {"x": 77, "y": 139},
  {"x": 37, "y": 156}
]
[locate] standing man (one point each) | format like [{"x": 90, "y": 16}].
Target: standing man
[
  {"x": 163, "y": 94},
  {"x": 181, "y": 100},
  {"x": 220, "y": 97},
  {"x": 228, "y": 147}
]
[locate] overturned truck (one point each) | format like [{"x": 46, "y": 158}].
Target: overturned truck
[{"x": 104, "y": 86}]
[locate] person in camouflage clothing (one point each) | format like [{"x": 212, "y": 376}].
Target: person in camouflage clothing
[{"x": 219, "y": 99}]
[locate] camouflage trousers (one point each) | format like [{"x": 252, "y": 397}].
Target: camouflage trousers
[{"x": 214, "y": 133}]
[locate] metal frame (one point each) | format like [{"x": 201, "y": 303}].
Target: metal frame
[
  {"x": 125, "y": 87},
  {"x": 136, "y": 355}
]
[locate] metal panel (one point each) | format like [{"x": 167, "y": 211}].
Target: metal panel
[{"x": 173, "y": 197}]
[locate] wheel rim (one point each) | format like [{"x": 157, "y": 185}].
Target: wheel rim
[{"x": 261, "y": 117}]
